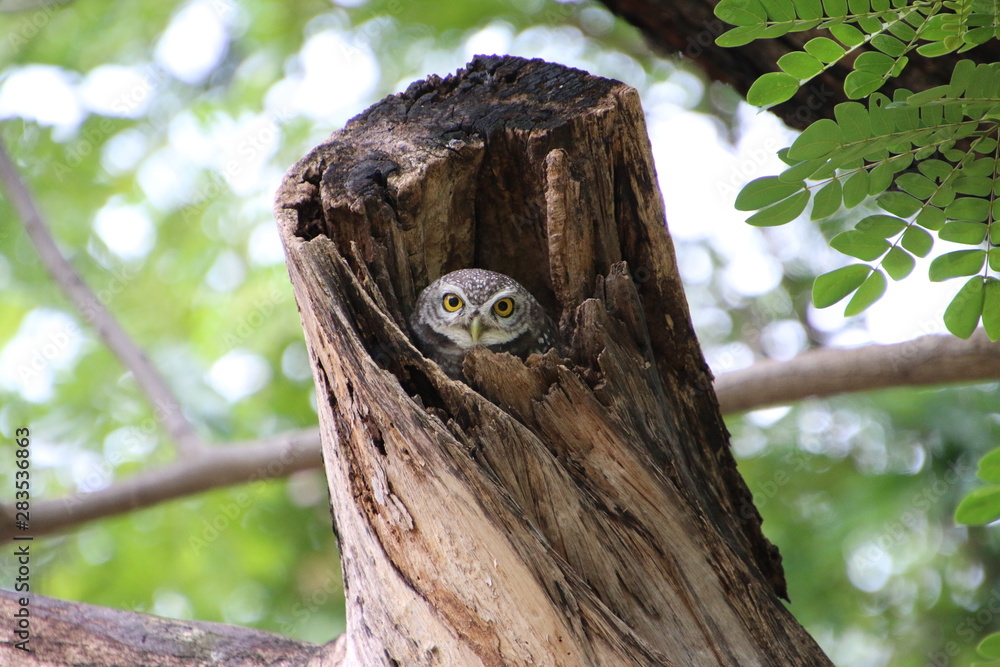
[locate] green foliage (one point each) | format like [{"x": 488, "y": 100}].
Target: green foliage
[
  {"x": 891, "y": 30},
  {"x": 858, "y": 464},
  {"x": 869, "y": 466},
  {"x": 929, "y": 159},
  {"x": 980, "y": 507},
  {"x": 989, "y": 648}
]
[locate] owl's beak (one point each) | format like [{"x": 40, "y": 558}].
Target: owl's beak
[{"x": 476, "y": 328}]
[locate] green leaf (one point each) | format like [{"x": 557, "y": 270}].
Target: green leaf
[
  {"x": 932, "y": 115},
  {"x": 882, "y": 226},
  {"x": 962, "y": 315},
  {"x": 979, "y": 167},
  {"x": 835, "y": 8},
  {"x": 924, "y": 96},
  {"x": 991, "y": 308},
  {"x": 981, "y": 84},
  {"x": 989, "y": 466},
  {"x": 874, "y": 63},
  {"x": 882, "y": 119},
  {"x": 977, "y": 36},
  {"x": 879, "y": 179},
  {"x": 741, "y": 12},
  {"x": 898, "y": 263},
  {"x": 917, "y": 241},
  {"x": 853, "y": 120},
  {"x": 856, "y": 189},
  {"x": 800, "y": 65},
  {"x": 931, "y": 217},
  {"x": 781, "y": 11},
  {"x": 860, "y": 244},
  {"x": 809, "y": 9},
  {"x": 897, "y": 68},
  {"x": 900, "y": 162},
  {"x": 827, "y": 201},
  {"x": 899, "y": 204},
  {"x": 937, "y": 170},
  {"x": 824, "y": 49},
  {"x": 917, "y": 185},
  {"x": 960, "y": 77},
  {"x": 765, "y": 191},
  {"x": 969, "y": 208},
  {"x": 934, "y": 49},
  {"x": 782, "y": 212},
  {"x": 980, "y": 507},
  {"x": 772, "y": 30},
  {"x": 804, "y": 169},
  {"x": 869, "y": 24},
  {"x": 859, "y": 84},
  {"x": 831, "y": 287},
  {"x": 984, "y": 145},
  {"x": 740, "y": 36},
  {"x": 956, "y": 263},
  {"x": 944, "y": 196},
  {"x": 969, "y": 233},
  {"x": 818, "y": 140},
  {"x": 888, "y": 45},
  {"x": 978, "y": 186},
  {"x": 990, "y": 646},
  {"x": 772, "y": 88},
  {"x": 848, "y": 35},
  {"x": 902, "y": 30},
  {"x": 870, "y": 291}
]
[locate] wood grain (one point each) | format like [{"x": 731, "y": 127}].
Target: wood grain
[{"x": 572, "y": 511}]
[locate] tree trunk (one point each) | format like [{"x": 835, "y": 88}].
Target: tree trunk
[
  {"x": 564, "y": 511},
  {"x": 689, "y": 28}
]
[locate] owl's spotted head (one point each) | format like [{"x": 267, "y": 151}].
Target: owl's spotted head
[{"x": 473, "y": 307}]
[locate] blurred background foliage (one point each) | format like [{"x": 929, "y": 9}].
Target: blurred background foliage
[{"x": 154, "y": 136}]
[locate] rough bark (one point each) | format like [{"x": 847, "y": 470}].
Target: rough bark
[
  {"x": 580, "y": 511},
  {"x": 71, "y": 634},
  {"x": 689, "y": 28}
]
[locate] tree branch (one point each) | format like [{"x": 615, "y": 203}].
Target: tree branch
[
  {"x": 76, "y": 634},
  {"x": 92, "y": 309},
  {"x": 215, "y": 467},
  {"x": 928, "y": 360}
]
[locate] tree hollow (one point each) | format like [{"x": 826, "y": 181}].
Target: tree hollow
[{"x": 577, "y": 510}]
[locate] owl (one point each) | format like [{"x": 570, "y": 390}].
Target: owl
[{"x": 473, "y": 307}]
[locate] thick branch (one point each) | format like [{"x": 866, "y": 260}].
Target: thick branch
[
  {"x": 926, "y": 360},
  {"x": 167, "y": 407},
  {"x": 929, "y": 360},
  {"x": 215, "y": 467},
  {"x": 73, "y": 634},
  {"x": 689, "y": 27}
]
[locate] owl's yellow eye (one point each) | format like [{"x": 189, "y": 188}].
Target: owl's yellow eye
[
  {"x": 504, "y": 307},
  {"x": 451, "y": 302}
]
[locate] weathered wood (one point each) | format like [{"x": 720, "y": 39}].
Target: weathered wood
[
  {"x": 581, "y": 511},
  {"x": 70, "y": 634}
]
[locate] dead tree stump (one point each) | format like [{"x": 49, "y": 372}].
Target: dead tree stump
[{"x": 564, "y": 511}]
